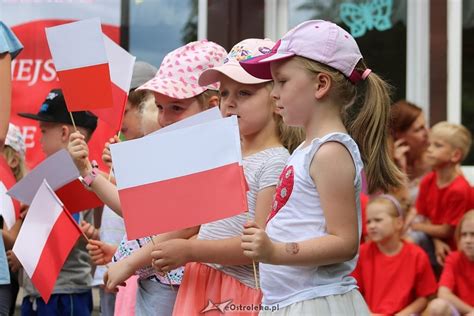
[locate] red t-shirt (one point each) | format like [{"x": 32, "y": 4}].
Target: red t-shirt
[
  {"x": 443, "y": 205},
  {"x": 364, "y": 200},
  {"x": 390, "y": 283},
  {"x": 458, "y": 276}
]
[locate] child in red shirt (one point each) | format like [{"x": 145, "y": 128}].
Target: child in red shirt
[
  {"x": 445, "y": 195},
  {"x": 393, "y": 276},
  {"x": 455, "y": 294}
]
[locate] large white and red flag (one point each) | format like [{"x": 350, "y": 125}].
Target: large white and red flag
[
  {"x": 185, "y": 178},
  {"x": 121, "y": 70},
  {"x": 62, "y": 175},
  {"x": 45, "y": 240},
  {"x": 81, "y": 63}
]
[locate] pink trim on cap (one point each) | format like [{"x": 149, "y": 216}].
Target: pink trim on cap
[{"x": 356, "y": 76}]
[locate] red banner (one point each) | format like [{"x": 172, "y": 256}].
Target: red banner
[{"x": 34, "y": 76}]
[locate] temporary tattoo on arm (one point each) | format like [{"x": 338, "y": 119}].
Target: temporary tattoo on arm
[{"x": 292, "y": 248}]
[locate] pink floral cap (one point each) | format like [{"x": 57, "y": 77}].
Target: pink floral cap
[
  {"x": 16, "y": 140},
  {"x": 180, "y": 70},
  {"x": 244, "y": 50}
]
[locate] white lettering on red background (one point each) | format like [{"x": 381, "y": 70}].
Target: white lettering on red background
[{"x": 32, "y": 70}]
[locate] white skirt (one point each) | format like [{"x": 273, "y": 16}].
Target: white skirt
[{"x": 350, "y": 303}]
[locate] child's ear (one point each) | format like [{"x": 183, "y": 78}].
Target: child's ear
[
  {"x": 213, "y": 101},
  {"x": 323, "y": 83},
  {"x": 14, "y": 161},
  {"x": 456, "y": 156},
  {"x": 65, "y": 132},
  {"x": 399, "y": 223}
]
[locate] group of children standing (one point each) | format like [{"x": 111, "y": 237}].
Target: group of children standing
[{"x": 312, "y": 116}]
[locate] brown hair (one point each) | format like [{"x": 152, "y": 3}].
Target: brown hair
[
  {"x": 137, "y": 97},
  {"x": 366, "y": 115},
  {"x": 403, "y": 115},
  {"x": 204, "y": 98},
  {"x": 469, "y": 215}
]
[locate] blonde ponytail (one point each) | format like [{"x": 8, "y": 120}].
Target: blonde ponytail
[
  {"x": 366, "y": 116},
  {"x": 370, "y": 129}
]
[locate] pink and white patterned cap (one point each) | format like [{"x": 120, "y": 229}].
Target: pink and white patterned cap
[
  {"x": 16, "y": 140},
  {"x": 241, "y": 51},
  {"x": 319, "y": 40},
  {"x": 180, "y": 70}
]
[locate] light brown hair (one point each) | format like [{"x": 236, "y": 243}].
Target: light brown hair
[
  {"x": 456, "y": 135},
  {"x": 468, "y": 216},
  {"x": 20, "y": 170},
  {"x": 366, "y": 116}
]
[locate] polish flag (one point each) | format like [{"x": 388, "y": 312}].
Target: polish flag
[
  {"x": 10, "y": 210},
  {"x": 185, "y": 178},
  {"x": 121, "y": 70},
  {"x": 45, "y": 240},
  {"x": 80, "y": 59},
  {"x": 62, "y": 175}
]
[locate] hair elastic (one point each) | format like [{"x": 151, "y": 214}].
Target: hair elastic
[
  {"x": 394, "y": 201},
  {"x": 366, "y": 73}
]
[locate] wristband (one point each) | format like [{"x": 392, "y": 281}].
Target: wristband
[{"x": 87, "y": 180}]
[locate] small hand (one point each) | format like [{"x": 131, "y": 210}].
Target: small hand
[
  {"x": 116, "y": 275},
  {"x": 400, "y": 153},
  {"x": 442, "y": 250},
  {"x": 256, "y": 244},
  {"x": 79, "y": 152},
  {"x": 13, "y": 261},
  {"x": 171, "y": 254},
  {"x": 89, "y": 230},
  {"x": 101, "y": 253},
  {"x": 106, "y": 155}
]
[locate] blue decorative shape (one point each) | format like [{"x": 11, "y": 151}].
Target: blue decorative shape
[{"x": 367, "y": 16}]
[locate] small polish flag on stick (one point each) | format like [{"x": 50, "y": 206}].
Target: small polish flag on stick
[
  {"x": 81, "y": 63},
  {"x": 121, "y": 70},
  {"x": 61, "y": 173},
  {"x": 185, "y": 178},
  {"x": 45, "y": 240}
]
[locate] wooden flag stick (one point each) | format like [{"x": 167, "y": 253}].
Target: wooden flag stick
[
  {"x": 73, "y": 123},
  {"x": 255, "y": 275}
]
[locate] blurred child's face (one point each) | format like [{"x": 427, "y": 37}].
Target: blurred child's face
[
  {"x": 293, "y": 90},
  {"x": 131, "y": 122},
  {"x": 150, "y": 118},
  {"x": 171, "y": 110},
  {"x": 54, "y": 137},
  {"x": 466, "y": 239},
  {"x": 440, "y": 152},
  {"x": 381, "y": 226},
  {"x": 250, "y": 102}
]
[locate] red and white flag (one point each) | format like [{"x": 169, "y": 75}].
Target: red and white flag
[
  {"x": 45, "y": 240},
  {"x": 10, "y": 210},
  {"x": 185, "y": 178},
  {"x": 62, "y": 175},
  {"x": 7, "y": 210},
  {"x": 121, "y": 70},
  {"x": 81, "y": 64}
]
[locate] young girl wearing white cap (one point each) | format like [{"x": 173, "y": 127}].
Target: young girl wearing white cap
[{"x": 310, "y": 244}]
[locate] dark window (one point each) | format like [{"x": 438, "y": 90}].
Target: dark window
[
  {"x": 467, "y": 117},
  {"x": 379, "y": 28}
]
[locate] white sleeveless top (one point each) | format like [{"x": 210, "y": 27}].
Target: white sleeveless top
[{"x": 297, "y": 216}]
